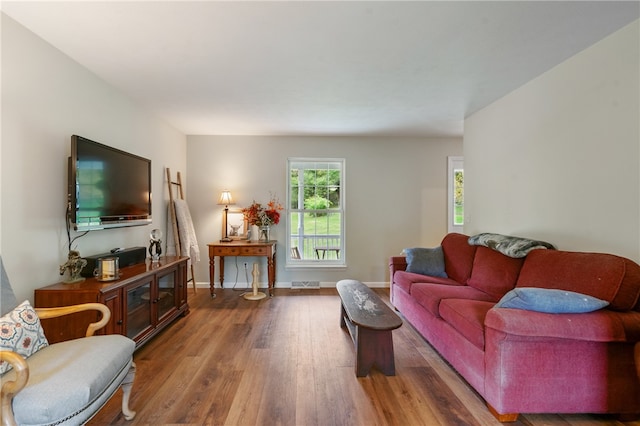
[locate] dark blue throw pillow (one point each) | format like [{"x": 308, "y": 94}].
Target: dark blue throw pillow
[
  {"x": 426, "y": 261},
  {"x": 551, "y": 301}
]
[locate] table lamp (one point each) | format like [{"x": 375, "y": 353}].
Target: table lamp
[{"x": 225, "y": 200}]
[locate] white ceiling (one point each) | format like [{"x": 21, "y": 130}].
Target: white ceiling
[{"x": 320, "y": 68}]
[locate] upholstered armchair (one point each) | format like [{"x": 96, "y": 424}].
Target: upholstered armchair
[{"x": 64, "y": 383}]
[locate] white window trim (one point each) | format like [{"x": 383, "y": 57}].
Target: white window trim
[
  {"x": 453, "y": 164},
  {"x": 336, "y": 264}
]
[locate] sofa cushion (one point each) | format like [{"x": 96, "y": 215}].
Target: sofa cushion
[
  {"x": 550, "y": 300},
  {"x": 426, "y": 261},
  {"x": 21, "y": 332},
  {"x": 604, "y": 276},
  {"x": 458, "y": 256},
  {"x": 66, "y": 377},
  {"x": 603, "y": 325},
  {"x": 467, "y": 317},
  {"x": 430, "y": 295},
  {"x": 493, "y": 272},
  {"x": 405, "y": 280}
]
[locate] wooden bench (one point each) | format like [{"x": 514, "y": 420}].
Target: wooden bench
[{"x": 370, "y": 323}]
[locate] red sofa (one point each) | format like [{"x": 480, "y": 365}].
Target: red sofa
[{"x": 523, "y": 361}]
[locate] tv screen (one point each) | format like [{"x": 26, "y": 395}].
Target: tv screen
[{"x": 108, "y": 188}]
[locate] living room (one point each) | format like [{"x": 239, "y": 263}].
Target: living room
[{"x": 555, "y": 159}]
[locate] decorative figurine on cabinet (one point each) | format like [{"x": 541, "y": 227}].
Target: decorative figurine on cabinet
[
  {"x": 155, "y": 245},
  {"x": 74, "y": 264}
]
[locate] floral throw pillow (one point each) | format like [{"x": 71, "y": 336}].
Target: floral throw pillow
[{"x": 21, "y": 332}]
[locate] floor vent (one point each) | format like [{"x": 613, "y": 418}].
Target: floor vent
[{"x": 296, "y": 285}]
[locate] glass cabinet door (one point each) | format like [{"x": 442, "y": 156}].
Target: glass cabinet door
[
  {"x": 166, "y": 300},
  {"x": 138, "y": 309}
]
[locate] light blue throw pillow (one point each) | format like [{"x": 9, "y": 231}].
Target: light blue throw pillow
[
  {"x": 426, "y": 261},
  {"x": 550, "y": 301}
]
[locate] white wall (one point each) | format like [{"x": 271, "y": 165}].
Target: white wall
[
  {"x": 558, "y": 159},
  {"x": 46, "y": 97},
  {"x": 395, "y": 190}
]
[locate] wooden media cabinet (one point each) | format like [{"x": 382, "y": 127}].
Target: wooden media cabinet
[{"x": 145, "y": 299}]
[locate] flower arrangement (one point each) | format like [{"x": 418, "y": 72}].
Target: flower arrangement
[{"x": 259, "y": 215}]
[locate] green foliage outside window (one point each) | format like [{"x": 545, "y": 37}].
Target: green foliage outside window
[
  {"x": 458, "y": 197},
  {"x": 316, "y": 202},
  {"x": 321, "y": 188}
]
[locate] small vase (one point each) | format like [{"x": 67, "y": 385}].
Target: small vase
[
  {"x": 264, "y": 234},
  {"x": 255, "y": 233}
]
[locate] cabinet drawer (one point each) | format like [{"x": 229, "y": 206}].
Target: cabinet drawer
[
  {"x": 256, "y": 251},
  {"x": 226, "y": 251},
  {"x": 240, "y": 251}
]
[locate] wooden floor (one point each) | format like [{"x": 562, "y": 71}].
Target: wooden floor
[{"x": 286, "y": 361}]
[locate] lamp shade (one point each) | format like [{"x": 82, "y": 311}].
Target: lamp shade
[{"x": 225, "y": 198}]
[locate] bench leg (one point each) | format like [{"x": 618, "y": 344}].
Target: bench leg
[
  {"x": 126, "y": 385},
  {"x": 343, "y": 315},
  {"x": 374, "y": 347}
]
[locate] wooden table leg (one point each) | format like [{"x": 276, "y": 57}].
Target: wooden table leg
[
  {"x": 221, "y": 271},
  {"x": 271, "y": 271},
  {"x": 212, "y": 273}
]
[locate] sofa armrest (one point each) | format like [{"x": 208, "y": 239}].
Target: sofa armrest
[
  {"x": 599, "y": 326},
  {"x": 396, "y": 263},
  {"x": 44, "y": 313},
  {"x": 11, "y": 387}
]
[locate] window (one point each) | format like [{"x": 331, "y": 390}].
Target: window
[
  {"x": 456, "y": 194},
  {"x": 315, "y": 208}
]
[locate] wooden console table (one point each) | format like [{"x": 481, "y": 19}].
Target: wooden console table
[{"x": 242, "y": 248}]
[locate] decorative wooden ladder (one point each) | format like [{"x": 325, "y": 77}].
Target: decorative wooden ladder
[{"x": 174, "y": 220}]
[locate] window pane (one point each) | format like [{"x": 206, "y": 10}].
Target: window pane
[
  {"x": 458, "y": 200},
  {"x": 316, "y": 211},
  {"x": 294, "y": 197}
]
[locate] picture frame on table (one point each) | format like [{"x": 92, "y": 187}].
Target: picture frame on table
[{"x": 236, "y": 224}]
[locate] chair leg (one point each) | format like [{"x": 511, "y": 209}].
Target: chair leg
[{"x": 127, "y": 383}]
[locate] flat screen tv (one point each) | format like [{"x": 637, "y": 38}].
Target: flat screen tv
[{"x": 108, "y": 188}]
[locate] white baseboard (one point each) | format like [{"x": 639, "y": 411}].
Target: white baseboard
[{"x": 323, "y": 284}]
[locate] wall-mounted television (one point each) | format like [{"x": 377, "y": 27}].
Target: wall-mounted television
[{"x": 108, "y": 187}]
